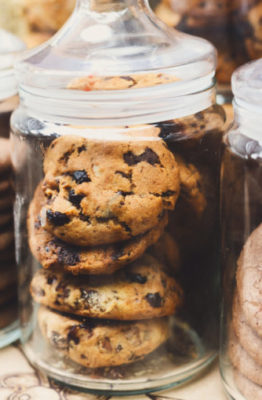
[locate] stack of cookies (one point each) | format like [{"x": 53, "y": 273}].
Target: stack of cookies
[
  {"x": 7, "y": 254},
  {"x": 245, "y": 346},
  {"x": 105, "y": 297}
]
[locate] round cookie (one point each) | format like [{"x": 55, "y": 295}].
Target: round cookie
[
  {"x": 143, "y": 290},
  {"x": 191, "y": 186},
  {"x": 6, "y": 238},
  {"x": 54, "y": 254},
  {"x": 250, "y": 390},
  {"x": 246, "y": 336},
  {"x": 8, "y": 276},
  {"x": 102, "y": 192},
  {"x": 193, "y": 126},
  {"x": 243, "y": 362},
  {"x": 92, "y": 83},
  {"x": 5, "y": 157},
  {"x": 101, "y": 344},
  {"x": 249, "y": 278}
]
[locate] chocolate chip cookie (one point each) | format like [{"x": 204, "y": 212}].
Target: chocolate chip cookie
[
  {"x": 135, "y": 81},
  {"x": 104, "y": 192},
  {"x": 143, "y": 290},
  {"x": 249, "y": 278},
  {"x": 97, "y": 344},
  {"x": 55, "y": 254}
]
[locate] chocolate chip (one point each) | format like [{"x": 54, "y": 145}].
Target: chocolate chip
[
  {"x": 106, "y": 344},
  {"x": 81, "y": 148},
  {"x": 84, "y": 218},
  {"x": 68, "y": 255},
  {"x": 136, "y": 278},
  {"x": 168, "y": 193},
  {"x": 118, "y": 252},
  {"x": 154, "y": 299},
  {"x": 80, "y": 176},
  {"x": 124, "y": 194},
  {"x": 170, "y": 130},
  {"x": 75, "y": 198},
  {"x": 148, "y": 156},
  {"x": 51, "y": 279},
  {"x": 72, "y": 335},
  {"x": 119, "y": 348},
  {"x": 124, "y": 175},
  {"x": 65, "y": 291},
  {"x": 57, "y": 218}
]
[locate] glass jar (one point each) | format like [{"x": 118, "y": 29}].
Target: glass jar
[
  {"x": 116, "y": 150},
  {"x": 9, "y": 47},
  {"x": 241, "y": 337},
  {"x": 233, "y": 26}
]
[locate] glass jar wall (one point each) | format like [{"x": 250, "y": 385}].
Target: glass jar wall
[
  {"x": 9, "y": 47},
  {"x": 116, "y": 151},
  {"x": 241, "y": 360},
  {"x": 233, "y": 26}
]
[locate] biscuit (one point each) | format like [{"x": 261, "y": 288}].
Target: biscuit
[
  {"x": 249, "y": 278},
  {"x": 92, "y": 83},
  {"x": 250, "y": 390},
  {"x": 248, "y": 339},
  {"x": 143, "y": 290},
  {"x": 101, "y": 344},
  {"x": 5, "y": 156},
  {"x": 54, "y": 254},
  {"x": 242, "y": 361},
  {"x": 103, "y": 192},
  {"x": 8, "y": 276},
  {"x": 193, "y": 126}
]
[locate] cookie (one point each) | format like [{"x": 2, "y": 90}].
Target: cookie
[
  {"x": 193, "y": 126},
  {"x": 249, "y": 278},
  {"x": 6, "y": 237},
  {"x": 47, "y": 15},
  {"x": 192, "y": 190},
  {"x": 101, "y": 344},
  {"x": 92, "y": 83},
  {"x": 106, "y": 192},
  {"x": 8, "y": 276},
  {"x": 143, "y": 290},
  {"x": 250, "y": 390},
  {"x": 248, "y": 339},
  {"x": 5, "y": 156},
  {"x": 52, "y": 253},
  {"x": 166, "y": 250},
  {"x": 242, "y": 361}
]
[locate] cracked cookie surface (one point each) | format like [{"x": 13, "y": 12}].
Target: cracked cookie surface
[
  {"x": 101, "y": 192},
  {"x": 100, "y": 344},
  {"x": 53, "y": 253},
  {"x": 142, "y": 290}
]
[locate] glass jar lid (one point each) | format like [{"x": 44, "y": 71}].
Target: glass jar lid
[
  {"x": 10, "y": 48},
  {"x": 115, "y": 44},
  {"x": 247, "y": 85}
]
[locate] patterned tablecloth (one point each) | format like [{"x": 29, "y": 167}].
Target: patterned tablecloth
[{"x": 19, "y": 381}]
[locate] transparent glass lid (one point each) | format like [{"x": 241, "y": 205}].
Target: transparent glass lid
[
  {"x": 117, "y": 38},
  {"x": 247, "y": 85},
  {"x": 10, "y": 48}
]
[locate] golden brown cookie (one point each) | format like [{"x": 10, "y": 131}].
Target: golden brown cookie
[
  {"x": 90, "y": 83},
  {"x": 54, "y": 254},
  {"x": 143, "y": 290},
  {"x": 103, "y": 192},
  {"x": 97, "y": 344},
  {"x": 249, "y": 278}
]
